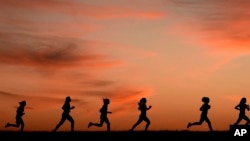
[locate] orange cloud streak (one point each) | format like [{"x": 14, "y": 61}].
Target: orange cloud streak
[
  {"x": 223, "y": 29},
  {"x": 84, "y": 9}
]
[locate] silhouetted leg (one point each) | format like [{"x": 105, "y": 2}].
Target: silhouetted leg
[
  {"x": 17, "y": 124},
  {"x": 7, "y": 125},
  {"x": 22, "y": 127},
  {"x": 90, "y": 124},
  {"x": 247, "y": 119},
  {"x": 60, "y": 123},
  {"x": 209, "y": 124},
  {"x": 137, "y": 123},
  {"x": 148, "y": 123},
  {"x": 22, "y": 124},
  {"x": 238, "y": 120},
  {"x": 72, "y": 122},
  {"x": 108, "y": 124},
  {"x": 13, "y": 125},
  {"x": 98, "y": 124},
  {"x": 196, "y": 123}
]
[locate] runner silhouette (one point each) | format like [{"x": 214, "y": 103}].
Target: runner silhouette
[
  {"x": 65, "y": 115},
  {"x": 204, "y": 108},
  {"x": 143, "y": 116},
  {"x": 103, "y": 118},
  {"x": 242, "y": 106},
  {"x": 19, "y": 114}
]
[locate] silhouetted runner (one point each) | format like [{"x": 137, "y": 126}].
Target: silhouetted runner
[
  {"x": 204, "y": 108},
  {"x": 242, "y": 106},
  {"x": 19, "y": 114},
  {"x": 143, "y": 116},
  {"x": 103, "y": 118},
  {"x": 65, "y": 115}
]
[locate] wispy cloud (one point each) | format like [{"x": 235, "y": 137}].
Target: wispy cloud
[
  {"x": 48, "y": 52},
  {"x": 220, "y": 24},
  {"x": 217, "y": 28},
  {"x": 83, "y": 9}
]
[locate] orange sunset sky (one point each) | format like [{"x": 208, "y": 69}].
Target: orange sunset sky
[{"x": 173, "y": 52}]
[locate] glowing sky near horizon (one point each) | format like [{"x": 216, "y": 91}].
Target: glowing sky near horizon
[{"x": 173, "y": 52}]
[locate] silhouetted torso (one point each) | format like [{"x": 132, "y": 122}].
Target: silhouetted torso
[
  {"x": 104, "y": 110},
  {"x": 204, "y": 108},
  {"x": 143, "y": 109},
  {"x": 66, "y": 108},
  {"x": 242, "y": 107},
  {"x": 20, "y": 111}
]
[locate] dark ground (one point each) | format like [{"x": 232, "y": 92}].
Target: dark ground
[{"x": 121, "y": 136}]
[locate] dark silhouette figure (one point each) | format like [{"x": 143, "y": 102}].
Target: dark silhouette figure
[
  {"x": 242, "y": 106},
  {"x": 103, "y": 118},
  {"x": 65, "y": 115},
  {"x": 19, "y": 114},
  {"x": 143, "y": 116},
  {"x": 204, "y": 108}
]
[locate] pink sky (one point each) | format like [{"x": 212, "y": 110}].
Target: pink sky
[{"x": 173, "y": 52}]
